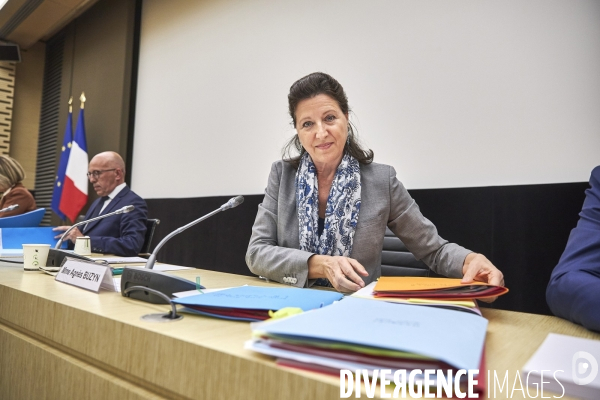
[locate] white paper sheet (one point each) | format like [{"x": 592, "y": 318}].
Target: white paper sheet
[
  {"x": 122, "y": 260},
  {"x": 159, "y": 267},
  {"x": 566, "y": 358},
  {"x": 195, "y": 292}
]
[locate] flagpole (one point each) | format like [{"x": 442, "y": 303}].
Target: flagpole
[
  {"x": 64, "y": 221},
  {"x": 62, "y": 165},
  {"x": 76, "y": 182}
]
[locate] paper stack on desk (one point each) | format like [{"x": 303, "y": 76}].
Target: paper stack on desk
[
  {"x": 435, "y": 288},
  {"x": 567, "y": 365},
  {"x": 465, "y": 305},
  {"x": 253, "y": 303},
  {"x": 360, "y": 334}
]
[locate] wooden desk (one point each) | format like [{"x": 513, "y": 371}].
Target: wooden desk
[{"x": 62, "y": 342}]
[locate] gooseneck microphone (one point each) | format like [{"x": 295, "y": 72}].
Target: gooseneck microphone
[
  {"x": 123, "y": 210},
  {"x": 233, "y": 202},
  {"x": 10, "y": 208},
  {"x": 134, "y": 281}
]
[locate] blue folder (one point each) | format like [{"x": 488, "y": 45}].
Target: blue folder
[
  {"x": 14, "y": 238},
  {"x": 254, "y": 298},
  {"x": 456, "y": 338}
]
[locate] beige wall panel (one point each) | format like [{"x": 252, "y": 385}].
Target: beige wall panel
[
  {"x": 7, "y": 90},
  {"x": 26, "y": 112},
  {"x": 100, "y": 69}
]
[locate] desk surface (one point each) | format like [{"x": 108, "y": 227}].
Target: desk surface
[{"x": 97, "y": 344}]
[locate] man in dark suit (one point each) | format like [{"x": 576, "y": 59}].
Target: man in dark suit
[
  {"x": 574, "y": 289},
  {"x": 121, "y": 234}
]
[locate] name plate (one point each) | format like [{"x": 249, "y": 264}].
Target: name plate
[{"x": 85, "y": 274}]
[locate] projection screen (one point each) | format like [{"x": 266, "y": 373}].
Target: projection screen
[{"x": 452, "y": 94}]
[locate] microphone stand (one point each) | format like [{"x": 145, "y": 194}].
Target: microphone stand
[
  {"x": 134, "y": 280},
  {"x": 152, "y": 258},
  {"x": 125, "y": 209},
  {"x": 234, "y": 202}
]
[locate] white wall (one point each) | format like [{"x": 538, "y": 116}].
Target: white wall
[{"x": 452, "y": 93}]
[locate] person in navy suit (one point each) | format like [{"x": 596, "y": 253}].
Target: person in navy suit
[
  {"x": 574, "y": 289},
  {"x": 121, "y": 234}
]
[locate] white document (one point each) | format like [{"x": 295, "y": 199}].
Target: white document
[
  {"x": 11, "y": 252},
  {"x": 261, "y": 346},
  {"x": 567, "y": 362},
  {"x": 189, "y": 293},
  {"x": 115, "y": 287},
  {"x": 161, "y": 267},
  {"x": 122, "y": 260}
]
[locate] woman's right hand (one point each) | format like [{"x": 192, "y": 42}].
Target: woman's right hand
[
  {"x": 342, "y": 272},
  {"x": 72, "y": 236}
]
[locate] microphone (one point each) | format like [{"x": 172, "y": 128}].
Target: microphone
[
  {"x": 233, "y": 202},
  {"x": 123, "y": 210},
  {"x": 134, "y": 280},
  {"x": 15, "y": 206}
]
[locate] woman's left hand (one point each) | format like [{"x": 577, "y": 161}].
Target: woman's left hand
[{"x": 478, "y": 268}]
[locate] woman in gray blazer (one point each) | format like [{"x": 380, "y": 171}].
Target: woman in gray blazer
[{"x": 325, "y": 211}]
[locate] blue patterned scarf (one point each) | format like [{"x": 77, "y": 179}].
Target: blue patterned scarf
[{"x": 341, "y": 214}]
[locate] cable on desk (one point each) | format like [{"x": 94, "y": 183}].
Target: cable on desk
[{"x": 10, "y": 261}]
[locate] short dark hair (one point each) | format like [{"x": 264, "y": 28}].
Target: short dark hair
[{"x": 308, "y": 87}]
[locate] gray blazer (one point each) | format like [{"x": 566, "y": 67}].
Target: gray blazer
[{"x": 274, "y": 246}]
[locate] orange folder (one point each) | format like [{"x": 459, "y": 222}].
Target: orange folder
[{"x": 440, "y": 288}]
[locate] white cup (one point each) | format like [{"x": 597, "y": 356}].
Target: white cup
[
  {"x": 35, "y": 256},
  {"x": 83, "y": 246}
]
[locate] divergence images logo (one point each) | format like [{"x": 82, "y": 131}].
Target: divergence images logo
[{"x": 584, "y": 368}]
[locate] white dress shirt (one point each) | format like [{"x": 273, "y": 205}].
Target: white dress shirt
[{"x": 111, "y": 196}]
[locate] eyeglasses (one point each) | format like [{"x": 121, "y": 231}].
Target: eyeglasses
[{"x": 96, "y": 174}]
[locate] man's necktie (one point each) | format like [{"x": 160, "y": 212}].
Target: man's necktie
[
  {"x": 99, "y": 206},
  {"x": 96, "y": 212}
]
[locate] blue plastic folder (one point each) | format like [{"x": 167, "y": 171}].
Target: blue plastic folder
[
  {"x": 252, "y": 303},
  {"x": 455, "y": 338},
  {"x": 14, "y": 238}
]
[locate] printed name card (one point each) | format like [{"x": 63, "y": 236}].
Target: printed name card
[{"x": 86, "y": 275}]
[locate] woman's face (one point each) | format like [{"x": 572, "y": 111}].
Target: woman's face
[{"x": 322, "y": 129}]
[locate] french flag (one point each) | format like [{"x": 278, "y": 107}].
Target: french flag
[
  {"x": 75, "y": 189},
  {"x": 59, "y": 182}
]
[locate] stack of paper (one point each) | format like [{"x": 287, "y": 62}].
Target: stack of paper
[
  {"x": 359, "y": 334},
  {"x": 435, "y": 288},
  {"x": 465, "y": 305},
  {"x": 252, "y": 303},
  {"x": 566, "y": 365}
]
